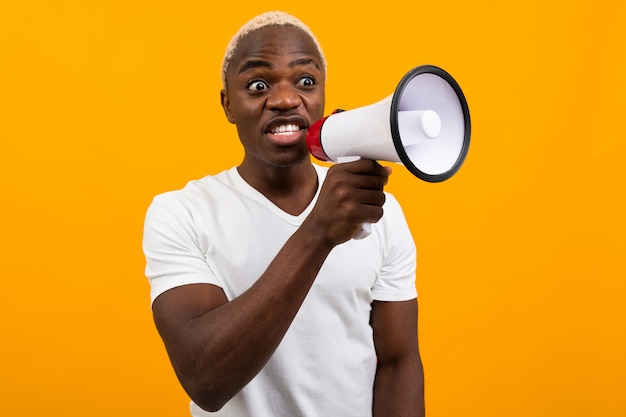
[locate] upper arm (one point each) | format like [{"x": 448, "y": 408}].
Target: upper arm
[
  {"x": 175, "y": 310},
  {"x": 399, "y": 384},
  {"x": 176, "y": 313},
  {"x": 395, "y": 331}
]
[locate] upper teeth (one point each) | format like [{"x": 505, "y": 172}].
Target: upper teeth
[{"x": 290, "y": 128}]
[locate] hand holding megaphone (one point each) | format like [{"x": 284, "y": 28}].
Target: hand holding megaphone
[
  {"x": 351, "y": 196},
  {"x": 366, "y": 227},
  {"x": 424, "y": 125}
]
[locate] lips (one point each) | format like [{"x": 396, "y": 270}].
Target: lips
[{"x": 285, "y": 131}]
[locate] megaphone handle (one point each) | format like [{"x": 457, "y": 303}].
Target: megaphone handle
[{"x": 363, "y": 232}]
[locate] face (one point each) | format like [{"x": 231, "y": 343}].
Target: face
[{"x": 274, "y": 92}]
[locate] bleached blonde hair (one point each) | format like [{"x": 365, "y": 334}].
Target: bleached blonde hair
[{"x": 267, "y": 19}]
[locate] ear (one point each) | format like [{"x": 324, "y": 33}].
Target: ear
[{"x": 226, "y": 106}]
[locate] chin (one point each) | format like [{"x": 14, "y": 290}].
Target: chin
[{"x": 293, "y": 161}]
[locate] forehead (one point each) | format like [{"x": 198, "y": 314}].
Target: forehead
[{"x": 273, "y": 43}]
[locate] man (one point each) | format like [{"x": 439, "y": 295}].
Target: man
[{"x": 265, "y": 303}]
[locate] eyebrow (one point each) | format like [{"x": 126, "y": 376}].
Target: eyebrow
[
  {"x": 257, "y": 63},
  {"x": 304, "y": 61}
]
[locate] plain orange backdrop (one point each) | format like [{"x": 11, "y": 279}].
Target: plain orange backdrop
[{"x": 521, "y": 275}]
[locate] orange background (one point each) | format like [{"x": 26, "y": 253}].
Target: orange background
[{"x": 104, "y": 104}]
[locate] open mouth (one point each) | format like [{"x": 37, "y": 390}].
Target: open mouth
[
  {"x": 286, "y": 129},
  {"x": 286, "y": 132}
]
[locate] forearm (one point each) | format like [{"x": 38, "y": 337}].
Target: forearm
[
  {"x": 399, "y": 389},
  {"x": 230, "y": 344}
]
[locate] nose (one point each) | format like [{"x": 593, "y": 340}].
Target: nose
[{"x": 284, "y": 96}]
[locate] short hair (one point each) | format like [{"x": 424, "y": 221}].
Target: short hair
[{"x": 267, "y": 19}]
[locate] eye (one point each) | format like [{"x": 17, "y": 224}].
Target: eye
[
  {"x": 306, "y": 82},
  {"x": 258, "y": 86}
]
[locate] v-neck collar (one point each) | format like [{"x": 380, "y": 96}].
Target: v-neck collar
[{"x": 256, "y": 195}]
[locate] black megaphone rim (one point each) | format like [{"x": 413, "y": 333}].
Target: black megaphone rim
[{"x": 395, "y": 131}]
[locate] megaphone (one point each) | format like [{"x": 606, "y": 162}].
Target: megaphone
[{"x": 424, "y": 125}]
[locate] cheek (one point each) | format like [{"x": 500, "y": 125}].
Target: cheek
[
  {"x": 319, "y": 113},
  {"x": 244, "y": 126},
  {"x": 316, "y": 107},
  {"x": 322, "y": 102},
  {"x": 244, "y": 114}
]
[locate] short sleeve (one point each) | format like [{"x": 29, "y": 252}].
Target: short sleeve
[
  {"x": 396, "y": 280},
  {"x": 170, "y": 244}
]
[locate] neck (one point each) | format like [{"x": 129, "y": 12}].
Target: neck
[{"x": 290, "y": 188}]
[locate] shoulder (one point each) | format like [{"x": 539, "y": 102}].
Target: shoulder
[
  {"x": 392, "y": 208},
  {"x": 196, "y": 192}
]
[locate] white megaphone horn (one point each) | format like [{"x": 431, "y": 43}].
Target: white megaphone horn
[{"x": 424, "y": 125}]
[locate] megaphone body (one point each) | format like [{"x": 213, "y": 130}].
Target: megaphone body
[{"x": 424, "y": 125}]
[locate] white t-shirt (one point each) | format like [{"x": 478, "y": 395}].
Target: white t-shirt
[{"x": 219, "y": 230}]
